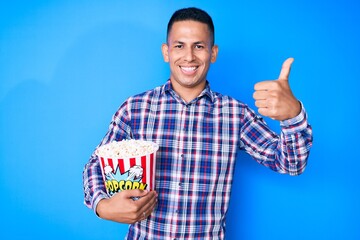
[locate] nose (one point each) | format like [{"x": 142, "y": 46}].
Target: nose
[{"x": 189, "y": 54}]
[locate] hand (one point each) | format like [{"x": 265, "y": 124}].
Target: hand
[
  {"x": 275, "y": 99},
  {"x": 122, "y": 208}
]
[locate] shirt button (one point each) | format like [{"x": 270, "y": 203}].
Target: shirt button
[
  {"x": 180, "y": 184},
  {"x": 182, "y": 155}
]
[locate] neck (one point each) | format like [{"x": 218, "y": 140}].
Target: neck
[{"x": 188, "y": 93}]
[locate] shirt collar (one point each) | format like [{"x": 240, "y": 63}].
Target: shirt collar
[{"x": 206, "y": 92}]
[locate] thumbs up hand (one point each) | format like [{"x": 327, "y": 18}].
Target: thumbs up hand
[{"x": 274, "y": 98}]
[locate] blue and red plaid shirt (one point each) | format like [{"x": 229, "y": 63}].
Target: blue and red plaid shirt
[{"x": 198, "y": 143}]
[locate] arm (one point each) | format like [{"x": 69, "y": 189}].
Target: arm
[
  {"x": 121, "y": 207},
  {"x": 284, "y": 153},
  {"x": 93, "y": 183},
  {"x": 288, "y": 152}
]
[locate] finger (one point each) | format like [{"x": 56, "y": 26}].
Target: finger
[
  {"x": 264, "y": 111},
  {"x": 134, "y": 193},
  {"x": 285, "y": 69},
  {"x": 150, "y": 195},
  {"x": 147, "y": 201},
  {"x": 261, "y": 104},
  {"x": 150, "y": 208},
  {"x": 147, "y": 204},
  {"x": 260, "y": 95},
  {"x": 263, "y": 86}
]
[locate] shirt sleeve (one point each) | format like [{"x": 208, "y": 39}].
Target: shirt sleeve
[
  {"x": 93, "y": 183},
  {"x": 286, "y": 152}
]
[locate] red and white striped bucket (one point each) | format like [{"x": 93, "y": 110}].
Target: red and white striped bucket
[{"x": 136, "y": 172}]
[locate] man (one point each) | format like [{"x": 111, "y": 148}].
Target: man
[{"x": 199, "y": 133}]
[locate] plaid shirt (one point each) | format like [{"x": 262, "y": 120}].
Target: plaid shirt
[{"x": 198, "y": 143}]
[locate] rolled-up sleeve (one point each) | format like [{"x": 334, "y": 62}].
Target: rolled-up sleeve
[
  {"x": 94, "y": 188},
  {"x": 93, "y": 183},
  {"x": 296, "y": 142},
  {"x": 286, "y": 152}
]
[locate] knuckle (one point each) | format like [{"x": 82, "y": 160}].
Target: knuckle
[
  {"x": 274, "y": 93},
  {"x": 137, "y": 215},
  {"x": 269, "y": 102}
]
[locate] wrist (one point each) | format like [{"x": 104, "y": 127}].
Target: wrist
[
  {"x": 101, "y": 208},
  {"x": 296, "y": 110}
]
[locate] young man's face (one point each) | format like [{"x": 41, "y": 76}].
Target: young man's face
[{"x": 189, "y": 53}]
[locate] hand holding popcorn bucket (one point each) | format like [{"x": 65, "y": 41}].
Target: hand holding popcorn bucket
[{"x": 128, "y": 164}]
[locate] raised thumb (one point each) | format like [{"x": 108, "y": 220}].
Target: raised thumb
[{"x": 285, "y": 69}]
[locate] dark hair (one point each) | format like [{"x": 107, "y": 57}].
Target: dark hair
[{"x": 194, "y": 14}]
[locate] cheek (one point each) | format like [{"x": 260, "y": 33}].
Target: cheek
[{"x": 175, "y": 60}]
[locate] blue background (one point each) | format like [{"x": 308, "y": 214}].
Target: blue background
[{"x": 65, "y": 67}]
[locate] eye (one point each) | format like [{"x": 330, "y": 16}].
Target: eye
[
  {"x": 199, "y": 46},
  {"x": 178, "y": 46}
]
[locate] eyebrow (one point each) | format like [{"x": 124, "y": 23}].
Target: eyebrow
[{"x": 180, "y": 42}]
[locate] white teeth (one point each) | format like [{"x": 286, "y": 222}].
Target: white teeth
[{"x": 188, "y": 69}]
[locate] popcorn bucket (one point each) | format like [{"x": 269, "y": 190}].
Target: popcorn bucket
[{"x": 128, "y": 164}]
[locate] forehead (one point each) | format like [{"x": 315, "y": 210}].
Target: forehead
[{"x": 189, "y": 30}]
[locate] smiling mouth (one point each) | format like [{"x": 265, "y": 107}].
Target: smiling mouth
[{"x": 189, "y": 70}]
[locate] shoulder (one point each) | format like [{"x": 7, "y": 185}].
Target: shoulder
[
  {"x": 226, "y": 100},
  {"x": 141, "y": 99},
  {"x": 233, "y": 105},
  {"x": 146, "y": 95}
]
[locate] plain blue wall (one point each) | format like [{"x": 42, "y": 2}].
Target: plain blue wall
[{"x": 65, "y": 67}]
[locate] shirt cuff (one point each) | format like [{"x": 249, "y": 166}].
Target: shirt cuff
[
  {"x": 296, "y": 124},
  {"x": 96, "y": 199}
]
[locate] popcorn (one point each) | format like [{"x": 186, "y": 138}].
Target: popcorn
[
  {"x": 127, "y": 165},
  {"x": 126, "y": 148}
]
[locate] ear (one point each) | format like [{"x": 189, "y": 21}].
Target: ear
[
  {"x": 214, "y": 53},
  {"x": 165, "y": 52}
]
